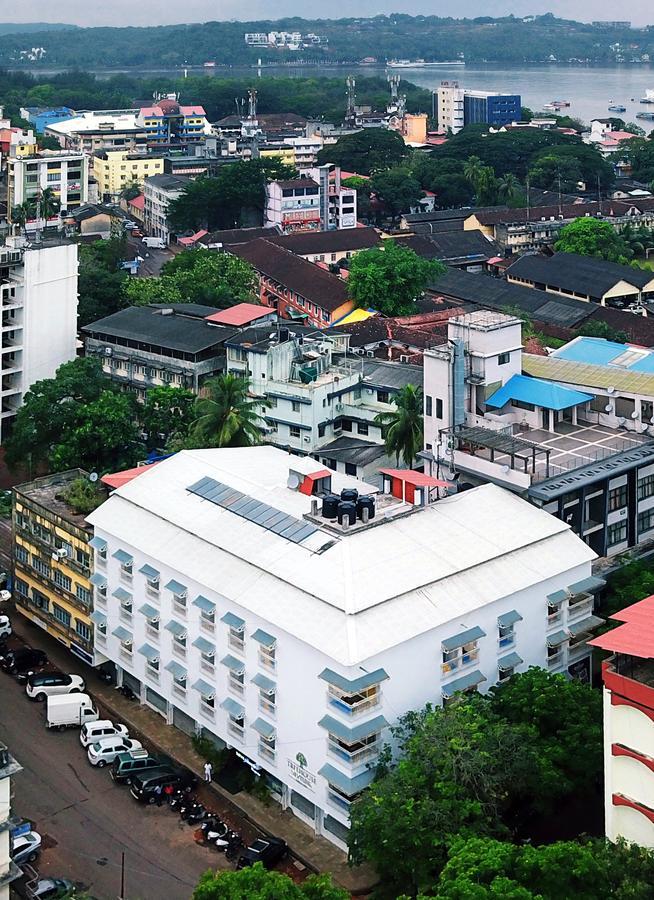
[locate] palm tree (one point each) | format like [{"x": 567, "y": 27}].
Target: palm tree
[
  {"x": 472, "y": 170},
  {"x": 404, "y": 425},
  {"x": 49, "y": 203},
  {"x": 22, "y": 213},
  {"x": 507, "y": 187},
  {"x": 226, "y": 416}
]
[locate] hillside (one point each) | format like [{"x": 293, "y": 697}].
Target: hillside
[{"x": 30, "y": 27}]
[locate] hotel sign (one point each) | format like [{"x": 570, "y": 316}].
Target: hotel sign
[{"x": 298, "y": 770}]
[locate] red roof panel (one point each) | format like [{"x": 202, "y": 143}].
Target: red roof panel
[
  {"x": 240, "y": 314},
  {"x": 636, "y": 636},
  {"x": 417, "y": 479},
  {"x": 118, "y": 479}
]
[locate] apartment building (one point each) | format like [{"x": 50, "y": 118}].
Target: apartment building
[
  {"x": 9, "y": 871},
  {"x": 115, "y": 170},
  {"x": 458, "y": 107},
  {"x": 293, "y": 205},
  {"x": 159, "y": 191},
  {"x": 52, "y": 561},
  {"x": 38, "y": 305},
  {"x": 166, "y": 121},
  {"x": 103, "y": 129},
  {"x": 338, "y": 204},
  {"x": 215, "y": 612},
  {"x": 41, "y": 117},
  {"x": 628, "y": 676},
  {"x": 64, "y": 172}
]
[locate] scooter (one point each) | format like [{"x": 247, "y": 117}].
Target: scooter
[
  {"x": 177, "y": 800},
  {"x": 233, "y": 849},
  {"x": 199, "y": 816},
  {"x": 215, "y": 827},
  {"x": 192, "y": 809},
  {"x": 126, "y": 691}
]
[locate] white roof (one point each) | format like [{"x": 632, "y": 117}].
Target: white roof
[
  {"x": 370, "y": 589},
  {"x": 90, "y": 121}
]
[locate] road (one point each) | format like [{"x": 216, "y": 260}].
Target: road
[
  {"x": 87, "y": 821},
  {"x": 153, "y": 259}
]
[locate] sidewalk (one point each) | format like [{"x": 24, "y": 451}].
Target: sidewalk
[{"x": 315, "y": 852}]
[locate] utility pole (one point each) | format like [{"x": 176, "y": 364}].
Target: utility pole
[{"x": 122, "y": 875}]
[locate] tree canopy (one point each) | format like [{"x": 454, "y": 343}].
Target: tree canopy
[
  {"x": 366, "y": 151},
  {"x": 397, "y": 189},
  {"x": 403, "y": 426},
  {"x": 390, "y": 278},
  {"x": 591, "y": 237},
  {"x": 255, "y": 883},
  {"x": 166, "y": 415},
  {"x": 225, "y": 415},
  {"x": 101, "y": 280}
]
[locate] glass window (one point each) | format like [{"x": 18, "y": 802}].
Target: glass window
[
  {"x": 617, "y": 497},
  {"x": 646, "y": 487},
  {"x": 362, "y": 428},
  {"x": 83, "y": 594},
  {"x": 295, "y": 406},
  {"x": 350, "y": 469},
  {"x": 62, "y": 581},
  {"x": 439, "y": 408},
  {"x": 61, "y": 615},
  {"x": 503, "y": 358},
  {"x": 294, "y": 431},
  {"x": 428, "y": 405},
  {"x": 384, "y": 397},
  {"x": 82, "y": 558},
  {"x": 39, "y": 566},
  {"x": 616, "y": 534},
  {"x": 83, "y": 630},
  {"x": 645, "y": 520},
  {"x": 21, "y": 554}
]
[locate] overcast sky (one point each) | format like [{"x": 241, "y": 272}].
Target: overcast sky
[{"x": 163, "y": 12}]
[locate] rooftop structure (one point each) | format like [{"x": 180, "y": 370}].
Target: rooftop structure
[
  {"x": 468, "y": 250},
  {"x": 328, "y": 246}
]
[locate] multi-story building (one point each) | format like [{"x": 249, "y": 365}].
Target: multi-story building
[
  {"x": 38, "y": 305},
  {"x": 103, "y": 129},
  {"x": 338, "y": 204},
  {"x": 9, "y": 871},
  {"x": 293, "y": 205},
  {"x": 297, "y": 640},
  {"x": 628, "y": 677},
  {"x": 143, "y": 347},
  {"x": 52, "y": 561},
  {"x": 168, "y": 122},
  {"x": 159, "y": 191},
  {"x": 458, "y": 107},
  {"x": 42, "y": 117},
  {"x": 115, "y": 170},
  {"x": 65, "y": 172},
  {"x": 328, "y": 246},
  {"x": 17, "y": 142}
]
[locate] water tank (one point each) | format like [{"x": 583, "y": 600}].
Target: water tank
[
  {"x": 366, "y": 503},
  {"x": 464, "y": 486},
  {"x": 347, "y": 511},
  {"x": 349, "y": 495},
  {"x": 330, "y": 504}
]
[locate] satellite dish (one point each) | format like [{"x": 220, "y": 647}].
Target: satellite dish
[
  {"x": 293, "y": 481},
  {"x": 634, "y": 414},
  {"x": 608, "y": 408},
  {"x": 93, "y": 477},
  {"x": 611, "y": 390}
]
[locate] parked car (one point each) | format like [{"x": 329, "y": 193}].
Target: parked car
[
  {"x": 144, "y": 783},
  {"x": 23, "y": 661},
  {"x": 268, "y": 851},
  {"x": 49, "y": 684},
  {"x": 5, "y": 628},
  {"x": 51, "y": 889},
  {"x": 103, "y": 728},
  {"x": 5, "y": 596},
  {"x": 126, "y": 765},
  {"x": 26, "y": 848},
  {"x": 105, "y": 751}
]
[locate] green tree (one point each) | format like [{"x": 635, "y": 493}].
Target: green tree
[
  {"x": 225, "y": 414},
  {"x": 403, "y": 426},
  {"x": 101, "y": 280},
  {"x": 367, "y": 151},
  {"x": 601, "y": 329},
  {"x": 551, "y": 171},
  {"x": 48, "y": 202},
  {"x": 166, "y": 414},
  {"x": 390, "y": 278},
  {"x": 482, "y": 179},
  {"x": 508, "y": 187},
  {"x": 591, "y": 237},
  {"x": 397, "y": 189},
  {"x": 255, "y": 883},
  {"x": 23, "y": 213}
]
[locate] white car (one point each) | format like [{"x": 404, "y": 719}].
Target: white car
[
  {"x": 26, "y": 848},
  {"x": 5, "y": 596},
  {"x": 104, "y": 751},
  {"x": 96, "y": 731},
  {"x": 42, "y": 685},
  {"x": 5, "y": 627}
]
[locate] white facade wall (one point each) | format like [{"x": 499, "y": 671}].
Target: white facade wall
[
  {"x": 450, "y": 106},
  {"x": 50, "y": 171},
  {"x": 5, "y": 808}
]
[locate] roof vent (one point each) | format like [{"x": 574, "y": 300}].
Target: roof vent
[{"x": 168, "y": 311}]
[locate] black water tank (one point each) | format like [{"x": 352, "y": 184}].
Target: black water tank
[
  {"x": 330, "y": 504},
  {"x": 349, "y": 495},
  {"x": 347, "y": 510},
  {"x": 283, "y": 335},
  {"x": 463, "y": 486},
  {"x": 366, "y": 503}
]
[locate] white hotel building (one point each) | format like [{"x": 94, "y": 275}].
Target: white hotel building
[{"x": 236, "y": 610}]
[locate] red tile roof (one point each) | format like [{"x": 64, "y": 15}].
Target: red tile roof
[
  {"x": 137, "y": 202},
  {"x": 636, "y": 636},
  {"x": 118, "y": 479},
  {"x": 241, "y": 314}
]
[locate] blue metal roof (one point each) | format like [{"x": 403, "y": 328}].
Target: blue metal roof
[
  {"x": 176, "y": 587},
  {"x": 236, "y": 665},
  {"x": 233, "y": 621},
  {"x": 177, "y": 671},
  {"x": 98, "y": 580},
  {"x": 204, "y": 646},
  {"x": 463, "y": 637},
  {"x": 265, "y": 729},
  {"x": 355, "y": 684},
  {"x": 149, "y": 611},
  {"x": 122, "y": 595},
  {"x": 233, "y": 708},
  {"x": 149, "y": 572},
  {"x": 204, "y": 604},
  {"x": 98, "y": 543},
  {"x": 262, "y": 637},
  {"x": 207, "y": 690},
  {"x": 266, "y": 685},
  {"x": 149, "y": 652},
  {"x": 509, "y": 618},
  {"x": 510, "y": 661},
  {"x": 541, "y": 393}
]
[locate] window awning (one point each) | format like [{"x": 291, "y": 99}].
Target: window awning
[
  {"x": 233, "y": 621},
  {"x": 122, "y": 595},
  {"x": 266, "y": 730},
  {"x": 176, "y": 587},
  {"x": 464, "y": 637},
  {"x": 262, "y": 637},
  {"x": 176, "y": 628},
  {"x": 204, "y": 604},
  {"x": 122, "y": 633},
  {"x": 353, "y": 685},
  {"x": 585, "y": 625},
  {"x": 471, "y": 679},
  {"x": 205, "y": 646},
  {"x": 233, "y": 708},
  {"x": 149, "y": 611},
  {"x": 176, "y": 670},
  {"x": 98, "y": 618},
  {"x": 352, "y": 735},
  {"x": 207, "y": 690},
  {"x": 98, "y": 580},
  {"x": 149, "y": 652},
  {"x": 98, "y": 543},
  {"x": 348, "y": 786},
  {"x": 236, "y": 665},
  {"x": 537, "y": 392},
  {"x": 557, "y": 598},
  {"x": 123, "y": 557},
  {"x": 149, "y": 572},
  {"x": 509, "y": 618},
  {"x": 266, "y": 685},
  {"x": 510, "y": 661},
  {"x": 556, "y": 639},
  {"x": 587, "y": 585}
]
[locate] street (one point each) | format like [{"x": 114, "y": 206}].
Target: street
[
  {"x": 86, "y": 821},
  {"x": 153, "y": 258}
]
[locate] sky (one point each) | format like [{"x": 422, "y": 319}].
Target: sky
[{"x": 165, "y": 12}]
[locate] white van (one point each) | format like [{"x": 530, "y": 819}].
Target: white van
[
  {"x": 103, "y": 728},
  {"x": 104, "y": 751},
  {"x": 154, "y": 242},
  {"x": 69, "y": 710}
]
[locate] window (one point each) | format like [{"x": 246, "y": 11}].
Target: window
[
  {"x": 82, "y": 558},
  {"x": 520, "y": 404},
  {"x": 356, "y": 752},
  {"x": 295, "y": 406},
  {"x": 439, "y": 408},
  {"x": 39, "y": 531},
  {"x": 353, "y": 704},
  {"x": 617, "y": 497},
  {"x": 40, "y": 600},
  {"x": 346, "y": 424},
  {"x": 459, "y": 656},
  {"x": 645, "y": 520},
  {"x": 21, "y": 554},
  {"x": 62, "y": 581},
  {"x": 350, "y": 469},
  {"x": 646, "y": 487},
  {"x": 503, "y": 358},
  {"x": 21, "y": 587},
  {"x": 321, "y": 429},
  {"x": 83, "y": 630},
  {"x": 506, "y": 635},
  {"x": 428, "y": 405},
  {"x": 39, "y": 566},
  {"x": 61, "y": 615},
  {"x": 384, "y": 397},
  {"x": 83, "y": 594},
  {"x": 616, "y": 534},
  {"x": 235, "y": 724},
  {"x": 505, "y": 674},
  {"x": 362, "y": 428},
  {"x": 293, "y": 431},
  {"x": 236, "y": 681}
]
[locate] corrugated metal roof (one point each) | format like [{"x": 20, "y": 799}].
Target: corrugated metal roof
[
  {"x": 545, "y": 394},
  {"x": 636, "y": 636},
  {"x": 588, "y": 375}
]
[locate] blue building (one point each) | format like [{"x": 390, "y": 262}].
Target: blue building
[
  {"x": 491, "y": 108},
  {"x": 40, "y": 118}
]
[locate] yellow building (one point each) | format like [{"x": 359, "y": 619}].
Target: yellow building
[
  {"x": 114, "y": 170},
  {"x": 284, "y": 153},
  {"x": 53, "y": 562}
]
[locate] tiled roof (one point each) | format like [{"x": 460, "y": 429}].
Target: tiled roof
[
  {"x": 340, "y": 240},
  {"x": 585, "y": 275}
]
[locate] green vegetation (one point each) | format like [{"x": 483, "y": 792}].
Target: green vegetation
[
  {"x": 390, "y": 278},
  {"x": 255, "y": 883},
  {"x": 101, "y": 280},
  {"x": 598, "y": 328},
  {"x": 591, "y": 237},
  {"x": 225, "y": 414},
  {"x": 403, "y": 426},
  {"x": 366, "y": 151},
  {"x": 166, "y": 416},
  {"x": 397, "y": 189},
  {"x": 83, "y": 495}
]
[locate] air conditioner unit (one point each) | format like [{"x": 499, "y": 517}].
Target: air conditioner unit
[
  {"x": 108, "y": 351},
  {"x": 128, "y": 645},
  {"x": 370, "y": 353},
  {"x": 404, "y": 358},
  {"x": 60, "y": 553}
]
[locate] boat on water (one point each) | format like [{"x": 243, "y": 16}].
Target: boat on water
[
  {"x": 422, "y": 64},
  {"x": 209, "y": 65},
  {"x": 556, "y": 105},
  {"x": 648, "y": 98},
  {"x": 649, "y": 116},
  {"x": 617, "y": 108}
]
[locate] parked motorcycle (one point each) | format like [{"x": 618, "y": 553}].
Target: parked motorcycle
[
  {"x": 198, "y": 816},
  {"x": 191, "y": 809},
  {"x": 126, "y": 691},
  {"x": 177, "y": 800},
  {"x": 233, "y": 849}
]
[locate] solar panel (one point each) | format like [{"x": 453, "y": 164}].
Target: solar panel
[{"x": 288, "y": 527}]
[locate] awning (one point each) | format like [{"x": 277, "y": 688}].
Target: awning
[
  {"x": 98, "y": 618},
  {"x": 123, "y": 557},
  {"x": 266, "y": 730},
  {"x": 233, "y": 708},
  {"x": 204, "y": 604},
  {"x": 295, "y": 313},
  {"x": 204, "y": 688},
  {"x": 348, "y": 786},
  {"x": 149, "y": 652},
  {"x": 353, "y": 685},
  {"x": 587, "y": 585},
  {"x": 556, "y": 639},
  {"x": 122, "y": 634},
  {"x": 509, "y": 618},
  {"x": 149, "y": 572},
  {"x": 510, "y": 661},
  {"x": 266, "y": 685},
  {"x": 471, "y": 679},
  {"x": 464, "y": 637},
  {"x": 262, "y": 637},
  {"x": 98, "y": 543},
  {"x": 176, "y": 628},
  {"x": 585, "y": 625},
  {"x": 236, "y": 665},
  {"x": 352, "y": 735},
  {"x": 98, "y": 580},
  {"x": 233, "y": 621},
  {"x": 149, "y": 611},
  {"x": 122, "y": 595},
  {"x": 557, "y": 598},
  {"x": 177, "y": 671},
  {"x": 205, "y": 646},
  {"x": 537, "y": 392},
  {"x": 176, "y": 587}
]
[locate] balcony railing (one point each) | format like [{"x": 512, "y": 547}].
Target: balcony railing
[
  {"x": 236, "y": 643},
  {"x": 341, "y": 803},
  {"x": 353, "y": 708},
  {"x": 266, "y": 706},
  {"x": 236, "y": 730},
  {"x": 555, "y": 660},
  {"x": 580, "y": 610},
  {"x": 266, "y": 752},
  {"x": 353, "y": 757},
  {"x": 460, "y": 662}
]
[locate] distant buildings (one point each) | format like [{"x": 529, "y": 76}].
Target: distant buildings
[
  {"x": 458, "y": 107},
  {"x": 317, "y": 201},
  {"x": 42, "y": 117},
  {"x": 104, "y": 129},
  {"x": 167, "y": 122},
  {"x": 64, "y": 172},
  {"x": 159, "y": 191},
  {"x": 115, "y": 170},
  {"x": 284, "y": 40}
]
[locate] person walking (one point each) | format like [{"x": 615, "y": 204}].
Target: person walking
[
  {"x": 158, "y": 793},
  {"x": 208, "y": 772}
]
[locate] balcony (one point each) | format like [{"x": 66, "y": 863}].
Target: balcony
[
  {"x": 352, "y": 704},
  {"x": 555, "y": 660},
  {"x": 235, "y": 730},
  {"x": 356, "y": 753},
  {"x": 460, "y": 662},
  {"x": 580, "y": 608}
]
